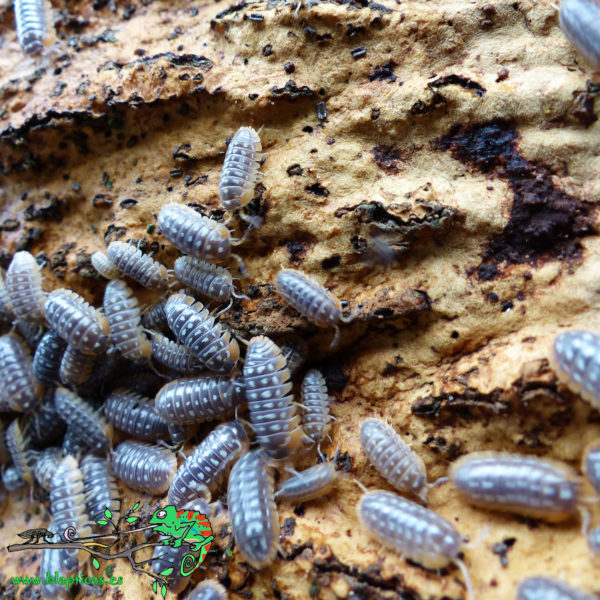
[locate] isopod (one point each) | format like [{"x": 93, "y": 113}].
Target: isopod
[
  {"x": 47, "y": 357},
  {"x": 315, "y": 406},
  {"x": 51, "y": 563},
  {"x": 591, "y": 466},
  {"x": 24, "y": 287},
  {"x": 311, "y": 483},
  {"x": 156, "y": 317},
  {"x": 195, "y": 234},
  {"x": 104, "y": 265},
  {"x": 311, "y": 300},
  {"x": 72, "y": 444},
  {"x": 135, "y": 415},
  {"x": 100, "y": 488},
  {"x": 208, "y": 590},
  {"x": 204, "y": 278},
  {"x": 294, "y": 350},
  {"x": 272, "y": 410},
  {"x": 32, "y": 24},
  {"x": 75, "y": 366},
  {"x": 199, "y": 399},
  {"x": 45, "y": 424},
  {"x": 254, "y": 518},
  {"x": 240, "y": 169},
  {"x": 91, "y": 428},
  {"x": 194, "y": 327},
  {"x": 140, "y": 267},
  {"x": 206, "y": 468},
  {"x": 180, "y": 434},
  {"x": 23, "y": 457},
  {"x": 124, "y": 320},
  {"x": 546, "y": 588},
  {"x": 12, "y": 480},
  {"x": 174, "y": 355},
  {"x": 76, "y": 321},
  {"x": 7, "y": 314},
  {"x": 45, "y": 465},
  {"x": 579, "y": 20},
  {"x": 393, "y": 458},
  {"x": 144, "y": 466},
  {"x": 513, "y": 483}
]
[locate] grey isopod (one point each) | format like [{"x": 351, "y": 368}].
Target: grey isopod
[
  {"x": 144, "y": 466},
  {"x": 271, "y": 405},
  {"x": 32, "y": 24},
  {"x": 205, "y": 469},
  {"x": 104, "y": 265},
  {"x": 140, "y": 267},
  {"x": 195, "y": 234},
  {"x": 50, "y": 563},
  {"x": 514, "y": 483},
  {"x": 315, "y": 406},
  {"x": 254, "y": 518},
  {"x": 24, "y": 287},
  {"x": 173, "y": 355},
  {"x": 75, "y": 366},
  {"x": 580, "y": 22},
  {"x": 240, "y": 169},
  {"x": 194, "y": 327},
  {"x": 100, "y": 488},
  {"x": 45, "y": 466},
  {"x": 180, "y": 434},
  {"x": 393, "y": 458},
  {"x": 72, "y": 444},
  {"x": 12, "y": 480},
  {"x": 199, "y": 399},
  {"x": 591, "y": 466},
  {"x": 47, "y": 357},
  {"x": 23, "y": 457},
  {"x": 7, "y": 314},
  {"x": 124, "y": 320},
  {"x": 546, "y": 588},
  {"x": 208, "y": 590},
  {"x": 156, "y": 317},
  {"x": 311, "y": 483},
  {"x": 135, "y": 415},
  {"x": 76, "y": 321}
]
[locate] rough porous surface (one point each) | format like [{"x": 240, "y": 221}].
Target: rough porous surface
[{"x": 435, "y": 164}]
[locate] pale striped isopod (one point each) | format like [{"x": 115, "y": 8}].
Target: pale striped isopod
[
  {"x": 594, "y": 540},
  {"x": 591, "y": 466},
  {"x": 76, "y": 321},
  {"x": 580, "y": 22},
  {"x": 47, "y": 357},
  {"x": 173, "y": 355},
  {"x": 521, "y": 484},
  {"x": 240, "y": 169},
  {"x": 199, "y": 399},
  {"x": 18, "y": 446},
  {"x": 135, "y": 415},
  {"x": 194, "y": 327},
  {"x": 124, "y": 320},
  {"x": 140, "y": 267},
  {"x": 92, "y": 428},
  {"x": 156, "y": 317},
  {"x": 7, "y": 314},
  {"x": 45, "y": 424},
  {"x": 208, "y": 590},
  {"x": 204, "y": 278},
  {"x": 104, "y": 265},
  {"x": 12, "y": 480},
  {"x": 205, "y": 469},
  {"x": 311, "y": 483},
  {"x": 271, "y": 405},
  {"x": 393, "y": 458},
  {"x": 20, "y": 390},
  {"x": 195, "y": 234},
  {"x": 24, "y": 287},
  {"x": 315, "y": 406},
  {"x": 32, "y": 24},
  {"x": 254, "y": 518},
  {"x": 75, "y": 366},
  {"x": 45, "y": 465},
  {"x": 144, "y": 466},
  {"x": 546, "y": 588},
  {"x": 100, "y": 488}
]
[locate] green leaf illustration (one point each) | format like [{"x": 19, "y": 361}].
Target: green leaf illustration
[
  {"x": 132, "y": 519},
  {"x": 134, "y": 507},
  {"x": 163, "y": 591},
  {"x": 108, "y": 514},
  {"x": 167, "y": 572},
  {"x": 155, "y": 586},
  {"x": 102, "y": 522},
  {"x": 96, "y": 563}
]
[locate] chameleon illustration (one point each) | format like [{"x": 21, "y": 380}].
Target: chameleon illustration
[{"x": 35, "y": 534}]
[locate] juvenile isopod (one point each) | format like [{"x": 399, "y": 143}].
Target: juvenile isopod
[
  {"x": 76, "y": 321},
  {"x": 393, "y": 458},
  {"x": 195, "y": 234},
  {"x": 124, "y": 320},
  {"x": 144, "y": 466},
  {"x": 199, "y": 399},
  {"x": 311, "y": 300},
  {"x": 194, "y": 327},
  {"x": 254, "y": 518},
  {"x": 47, "y": 357},
  {"x": 311, "y": 483},
  {"x": 580, "y": 22},
  {"x": 546, "y": 588},
  {"x": 521, "y": 484},
  {"x": 7, "y": 314},
  {"x": 240, "y": 169},
  {"x": 104, "y": 265},
  {"x": 135, "y": 415},
  {"x": 173, "y": 355},
  {"x": 140, "y": 267},
  {"x": 20, "y": 391},
  {"x": 18, "y": 446},
  {"x": 75, "y": 366},
  {"x": 100, "y": 488},
  {"x": 32, "y": 24},
  {"x": 24, "y": 287},
  {"x": 315, "y": 406},
  {"x": 205, "y": 469},
  {"x": 91, "y": 427},
  {"x": 208, "y": 590},
  {"x": 591, "y": 466},
  {"x": 45, "y": 465},
  {"x": 271, "y": 405}
]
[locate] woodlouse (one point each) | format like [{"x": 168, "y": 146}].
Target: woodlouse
[
  {"x": 311, "y": 483},
  {"x": 199, "y": 399},
  {"x": 393, "y": 458},
  {"x": 205, "y": 469},
  {"x": 100, "y": 487},
  {"x": 240, "y": 169},
  {"x": 45, "y": 466},
  {"x": 195, "y": 234},
  {"x": 140, "y": 267},
  {"x": 18, "y": 446},
  {"x": 135, "y": 415},
  {"x": 75, "y": 366},
  {"x": 12, "y": 480},
  {"x": 72, "y": 444},
  {"x": 104, "y": 265},
  {"x": 24, "y": 287},
  {"x": 124, "y": 320},
  {"x": 76, "y": 321},
  {"x": 579, "y": 21},
  {"x": 522, "y": 484},
  {"x": 156, "y": 317},
  {"x": 254, "y": 518},
  {"x": 20, "y": 390},
  {"x": 311, "y": 300},
  {"x": 47, "y": 357},
  {"x": 546, "y": 588},
  {"x": 180, "y": 434},
  {"x": 50, "y": 563},
  {"x": 194, "y": 327},
  {"x": 45, "y": 424},
  {"x": 208, "y": 590},
  {"x": 315, "y": 406},
  {"x": 144, "y": 466},
  {"x": 591, "y": 466},
  {"x": 32, "y": 24},
  {"x": 271, "y": 405},
  {"x": 173, "y": 355},
  {"x": 7, "y": 314}
]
